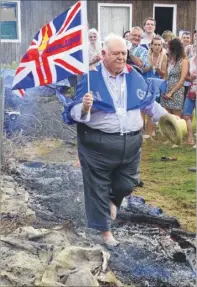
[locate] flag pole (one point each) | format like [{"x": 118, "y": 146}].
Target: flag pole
[{"x": 85, "y": 40}]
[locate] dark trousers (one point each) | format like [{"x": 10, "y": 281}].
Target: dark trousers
[{"x": 110, "y": 168}]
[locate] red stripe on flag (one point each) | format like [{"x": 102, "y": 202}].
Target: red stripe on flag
[
  {"x": 47, "y": 71},
  {"x": 22, "y": 92},
  {"x": 77, "y": 6},
  {"x": 50, "y": 32},
  {"x": 19, "y": 69},
  {"x": 69, "y": 67},
  {"x": 64, "y": 44}
]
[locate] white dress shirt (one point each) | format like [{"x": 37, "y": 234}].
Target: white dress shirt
[{"x": 110, "y": 122}]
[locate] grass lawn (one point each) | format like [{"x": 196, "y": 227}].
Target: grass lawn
[{"x": 169, "y": 185}]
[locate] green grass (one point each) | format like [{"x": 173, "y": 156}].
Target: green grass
[
  {"x": 13, "y": 65},
  {"x": 170, "y": 185}
]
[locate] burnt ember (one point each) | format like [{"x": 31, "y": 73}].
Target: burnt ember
[{"x": 153, "y": 249}]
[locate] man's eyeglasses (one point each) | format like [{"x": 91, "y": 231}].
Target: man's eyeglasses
[{"x": 136, "y": 36}]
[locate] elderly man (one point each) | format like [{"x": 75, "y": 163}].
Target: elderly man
[
  {"x": 137, "y": 53},
  {"x": 109, "y": 125}
]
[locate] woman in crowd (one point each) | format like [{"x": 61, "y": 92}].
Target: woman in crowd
[
  {"x": 177, "y": 70},
  {"x": 94, "y": 48},
  {"x": 157, "y": 69},
  {"x": 167, "y": 36},
  {"x": 157, "y": 60},
  {"x": 126, "y": 36},
  {"x": 190, "y": 101}
]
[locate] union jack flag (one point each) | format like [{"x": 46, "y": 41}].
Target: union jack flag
[
  {"x": 56, "y": 52},
  {"x": 20, "y": 93}
]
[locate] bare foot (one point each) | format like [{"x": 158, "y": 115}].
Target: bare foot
[
  {"x": 113, "y": 210},
  {"x": 77, "y": 164},
  {"x": 190, "y": 141},
  {"x": 108, "y": 239}
]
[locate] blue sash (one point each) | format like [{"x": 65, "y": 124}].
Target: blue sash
[{"x": 140, "y": 93}]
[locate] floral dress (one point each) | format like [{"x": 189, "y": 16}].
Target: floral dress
[{"x": 177, "y": 100}]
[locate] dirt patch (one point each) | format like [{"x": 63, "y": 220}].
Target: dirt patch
[{"x": 50, "y": 150}]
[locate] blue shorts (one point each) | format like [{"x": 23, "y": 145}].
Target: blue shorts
[{"x": 189, "y": 106}]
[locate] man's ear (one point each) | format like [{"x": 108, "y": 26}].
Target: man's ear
[{"x": 103, "y": 53}]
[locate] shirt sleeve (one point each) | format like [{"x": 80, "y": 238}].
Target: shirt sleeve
[
  {"x": 144, "y": 56},
  {"x": 77, "y": 114},
  {"x": 155, "y": 110}
]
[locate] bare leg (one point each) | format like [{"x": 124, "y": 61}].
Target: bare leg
[
  {"x": 143, "y": 118},
  {"x": 190, "y": 139},
  {"x": 176, "y": 113},
  {"x": 113, "y": 210},
  {"x": 150, "y": 127}
]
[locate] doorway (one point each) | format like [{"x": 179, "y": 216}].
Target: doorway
[{"x": 165, "y": 16}]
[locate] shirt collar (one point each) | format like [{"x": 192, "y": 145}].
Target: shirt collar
[
  {"x": 125, "y": 71},
  {"x": 144, "y": 35}
]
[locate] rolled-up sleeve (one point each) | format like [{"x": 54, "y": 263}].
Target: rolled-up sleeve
[
  {"x": 78, "y": 116},
  {"x": 155, "y": 110}
]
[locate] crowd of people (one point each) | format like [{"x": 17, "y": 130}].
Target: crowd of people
[
  {"x": 166, "y": 57},
  {"x": 122, "y": 88}
]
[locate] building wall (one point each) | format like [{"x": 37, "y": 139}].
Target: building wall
[
  {"x": 35, "y": 14},
  {"x": 186, "y": 11}
]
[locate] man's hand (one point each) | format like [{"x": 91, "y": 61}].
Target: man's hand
[{"x": 87, "y": 102}]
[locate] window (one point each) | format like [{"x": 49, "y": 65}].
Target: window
[
  {"x": 10, "y": 21},
  {"x": 116, "y": 18}
]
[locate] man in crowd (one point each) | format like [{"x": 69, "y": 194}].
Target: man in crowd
[
  {"x": 109, "y": 125},
  {"x": 186, "y": 38},
  {"x": 191, "y": 49},
  {"x": 137, "y": 54},
  {"x": 149, "y": 25}
]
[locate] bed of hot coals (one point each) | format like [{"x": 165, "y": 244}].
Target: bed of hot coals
[{"x": 154, "y": 250}]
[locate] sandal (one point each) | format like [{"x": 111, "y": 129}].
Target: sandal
[{"x": 165, "y": 158}]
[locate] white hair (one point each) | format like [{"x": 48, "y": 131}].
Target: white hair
[
  {"x": 110, "y": 38},
  {"x": 92, "y": 31},
  {"x": 98, "y": 42},
  {"x": 136, "y": 28}
]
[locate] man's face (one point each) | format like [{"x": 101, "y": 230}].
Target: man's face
[
  {"x": 149, "y": 27},
  {"x": 186, "y": 39},
  {"x": 135, "y": 37},
  {"x": 114, "y": 58}
]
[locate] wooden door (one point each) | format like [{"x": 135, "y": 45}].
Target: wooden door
[{"x": 114, "y": 18}]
